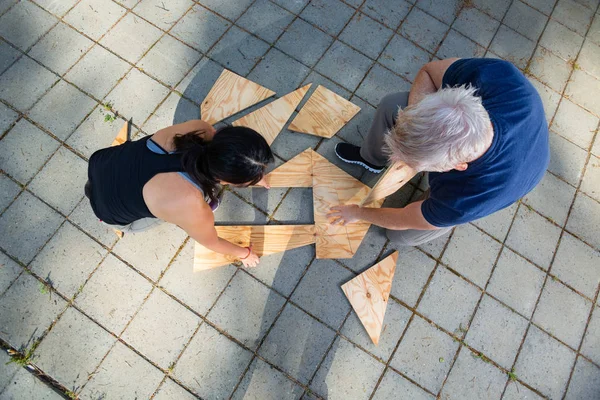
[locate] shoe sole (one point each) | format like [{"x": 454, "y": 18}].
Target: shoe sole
[{"x": 362, "y": 164}]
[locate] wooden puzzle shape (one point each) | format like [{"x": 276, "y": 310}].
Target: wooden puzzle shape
[
  {"x": 369, "y": 292},
  {"x": 229, "y": 95},
  {"x": 393, "y": 179},
  {"x": 324, "y": 114},
  {"x": 122, "y": 136},
  {"x": 331, "y": 186},
  {"x": 265, "y": 240},
  {"x": 270, "y": 119}
]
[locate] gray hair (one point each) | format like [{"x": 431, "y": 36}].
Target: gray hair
[{"x": 444, "y": 129}]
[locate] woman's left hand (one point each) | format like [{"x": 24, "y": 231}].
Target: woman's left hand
[
  {"x": 263, "y": 182},
  {"x": 344, "y": 214}
]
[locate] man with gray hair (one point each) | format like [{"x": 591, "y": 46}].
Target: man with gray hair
[{"x": 476, "y": 125}]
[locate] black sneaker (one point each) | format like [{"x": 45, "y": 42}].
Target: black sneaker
[{"x": 351, "y": 154}]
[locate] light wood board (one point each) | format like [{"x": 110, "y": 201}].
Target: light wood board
[
  {"x": 265, "y": 240},
  {"x": 297, "y": 172},
  {"x": 324, "y": 114},
  {"x": 392, "y": 179},
  {"x": 229, "y": 95},
  {"x": 369, "y": 293},
  {"x": 270, "y": 119},
  {"x": 122, "y": 136}
]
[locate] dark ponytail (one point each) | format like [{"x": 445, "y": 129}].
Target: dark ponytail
[{"x": 236, "y": 155}]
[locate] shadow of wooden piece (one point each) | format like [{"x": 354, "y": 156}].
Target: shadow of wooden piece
[
  {"x": 265, "y": 239},
  {"x": 229, "y": 95},
  {"x": 392, "y": 179},
  {"x": 369, "y": 293},
  {"x": 324, "y": 114},
  {"x": 297, "y": 172},
  {"x": 122, "y": 136},
  {"x": 270, "y": 119},
  {"x": 332, "y": 186}
]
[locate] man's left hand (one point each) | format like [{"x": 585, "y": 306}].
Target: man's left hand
[{"x": 343, "y": 215}]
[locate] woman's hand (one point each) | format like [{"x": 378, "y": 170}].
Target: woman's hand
[
  {"x": 263, "y": 182},
  {"x": 344, "y": 214},
  {"x": 251, "y": 260}
]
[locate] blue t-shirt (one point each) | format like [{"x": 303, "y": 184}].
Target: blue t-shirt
[{"x": 517, "y": 158}]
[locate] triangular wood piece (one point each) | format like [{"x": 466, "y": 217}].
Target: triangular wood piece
[
  {"x": 270, "y": 119},
  {"x": 297, "y": 172},
  {"x": 324, "y": 114},
  {"x": 122, "y": 136},
  {"x": 393, "y": 179},
  {"x": 265, "y": 239},
  {"x": 369, "y": 293},
  {"x": 332, "y": 186},
  {"x": 229, "y": 95}
]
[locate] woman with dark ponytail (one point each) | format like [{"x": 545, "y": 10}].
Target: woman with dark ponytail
[{"x": 174, "y": 176}]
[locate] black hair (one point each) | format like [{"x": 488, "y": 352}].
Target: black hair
[{"x": 236, "y": 155}]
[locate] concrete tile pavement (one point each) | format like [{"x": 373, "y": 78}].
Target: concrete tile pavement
[{"x": 523, "y": 266}]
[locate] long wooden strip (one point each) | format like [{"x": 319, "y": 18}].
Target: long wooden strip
[
  {"x": 270, "y": 119},
  {"x": 265, "y": 240},
  {"x": 393, "y": 179},
  {"x": 122, "y": 136},
  {"x": 231, "y": 94},
  {"x": 324, "y": 114},
  {"x": 369, "y": 293},
  {"x": 297, "y": 172}
]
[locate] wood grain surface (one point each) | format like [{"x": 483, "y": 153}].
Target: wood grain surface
[
  {"x": 297, "y": 172},
  {"x": 229, "y": 95},
  {"x": 392, "y": 179},
  {"x": 270, "y": 119},
  {"x": 324, "y": 114},
  {"x": 369, "y": 293}
]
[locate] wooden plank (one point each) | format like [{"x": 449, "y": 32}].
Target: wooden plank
[
  {"x": 122, "y": 136},
  {"x": 297, "y": 172},
  {"x": 270, "y": 119},
  {"x": 369, "y": 292},
  {"x": 265, "y": 239},
  {"x": 393, "y": 179},
  {"x": 229, "y": 95},
  {"x": 324, "y": 114}
]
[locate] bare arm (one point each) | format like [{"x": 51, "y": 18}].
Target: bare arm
[
  {"x": 409, "y": 217},
  {"x": 429, "y": 79}
]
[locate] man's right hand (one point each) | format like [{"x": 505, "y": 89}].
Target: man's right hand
[{"x": 251, "y": 261}]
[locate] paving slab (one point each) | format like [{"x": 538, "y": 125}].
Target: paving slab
[
  {"x": 344, "y": 65},
  {"x": 228, "y": 9},
  {"x": 477, "y": 25},
  {"x": 498, "y": 223},
  {"x": 588, "y": 58},
  {"x": 552, "y": 197},
  {"x": 391, "y": 15},
  {"x": 585, "y": 215},
  {"x": 170, "y": 390},
  {"x": 200, "y": 28},
  {"x": 561, "y": 40},
  {"x": 591, "y": 342},
  {"x": 585, "y": 382},
  {"x": 329, "y": 15},
  {"x": 413, "y": 269},
  {"x": 394, "y": 384},
  {"x": 566, "y": 159},
  {"x": 163, "y": 17},
  {"x": 497, "y": 332},
  {"x": 8, "y": 191},
  {"x": 550, "y": 69},
  {"x": 26, "y": 385},
  {"x": 279, "y": 72},
  {"x": 25, "y": 73},
  {"x": 123, "y": 373},
  {"x": 525, "y": 20},
  {"x": 550, "y": 99},
  {"x": 296, "y": 207},
  {"x": 83, "y": 216},
  {"x": 25, "y": 23},
  {"x": 590, "y": 184},
  {"x": 422, "y": 28},
  {"x": 334, "y": 380},
  {"x": 512, "y": 46},
  {"x": 516, "y": 391},
  {"x": 545, "y": 363},
  {"x": 239, "y": 51},
  {"x": 366, "y": 35},
  {"x": 368, "y": 252},
  {"x": 262, "y": 381},
  {"x": 573, "y": 15},
  {"x": 458, "y": 45},
  {"x": 212, "y": 365},
  {"x": 373, "y": 87},
  {"x": 9, "y": 272},
  {"x": 112, "y": 302},
  {"x": 161, "y": 320},
  {"x": 577, "y": 264},
  {"x": 266, "y": 20},
  {"x": 425, "y": 354},
  {"x": 304, "y": 42},
  {"x": 94, "y": 17}
]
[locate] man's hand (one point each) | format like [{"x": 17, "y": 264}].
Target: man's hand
[
  {"x": 344, "y": 214},
  {"x": 251, "y": 259},
  {"x": 263, "y": 182}
]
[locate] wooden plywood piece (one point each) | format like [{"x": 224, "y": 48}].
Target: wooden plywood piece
[
  {"x": 229, "y": 95},
  {"x": 393, "y": 179},
  {"x": 122, "y": 136},
  {"x": 324, "y": 114},
  {"x": 265, "y": 239},
  {"x": 297, "y": 172},
  {"x": 369, "y": 292},
  {"x": 270, "y": 119}
]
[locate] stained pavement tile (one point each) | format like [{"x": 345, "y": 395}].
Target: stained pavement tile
[
  {"x": 57, "y": 8},
  {"x": 266, "y": 20},
  {"x": 550, "y": 69},
  {"x": 25, "y": 73},
  {"x": 512, "y": 46},
  {"x": 229, "y": 9},
  {"x": 552, "y": 198},
  {"x": 25, "y": 23},
  {"x": 544, "y": 363},
  {"x": 163, "y": 17},
  {"x": 498, "y": 223},
  {"x": 525, "y": 20},
  {"x": 566, "y": 159},
  {"x": 366, "y": 35},
  {"x": 294, "y": 6},
  {"x": 575, "y": 123},
  {"x": 412, "y": 272},
  {"x": 577, "y": 264},
  {"x": 304, "y": 42},
  {"x": 445, "y": 10},
  {"x": 549, "y": 97},
  {"x": 198, "y": 82},
  {"x": 200, "y": 28},
  {"x": 476, "y": 25},
  {"x": 589, "y": 58},
  {"x": 123, "y": 373},
  {"x": 373, "y": 88},
  {"x": 336, "y": 381},
  {"x": 174, "y": 110},
  {"x": 423, "y": 29},
  {"x": 9, "y": 272},
  {"x": 24, "y": 322},
  {"x": 394, "y": 384},
  {"x": 573, "y": 15},
  {"x": 83, "y": 216},
  {"x": 584, "y": 220},
  {"x": 404, "y": 57},
  {"x": 170, "y": 390},
  {"x": 591, "y": 343},
  {"x": 585, "y": 381},
  {"x": 73, "y": 349},
  {"x": 25, "y": 384},
  {"x": 262, "y": 381},
  {"x": 161, "y": 320},
  {"x": 458, "y": 45},
  {"x": 211, "y": 365},
  {"x": 68, "y": 259},
  {"x": 8, "y": 55},
  {"x": 239, "y": 51},
  {"x": 279, "y": 72},
  {"x": 497, "y": 332},
  {"x": 296, "y": 207},
  {"x": 8, "y": 191},
  {"x": 260, "y": 305},
  {"x": 495, "y": 8},
  {"x": 389, "y": 14},
  {"x": 516, "y": 391},
  {"x": 425, "y": 354},
  {"x": 561, "y": 41},
  {"x": 112, "y": 302},
  {"x": 344, "y": 65},
  {"x": 329, "y": 15},
  {"x": 94, "y": 17},
  {"x": 590, "y": 184}
]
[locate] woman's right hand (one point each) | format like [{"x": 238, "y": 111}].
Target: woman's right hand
[{"x": 251, "y": 260}]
